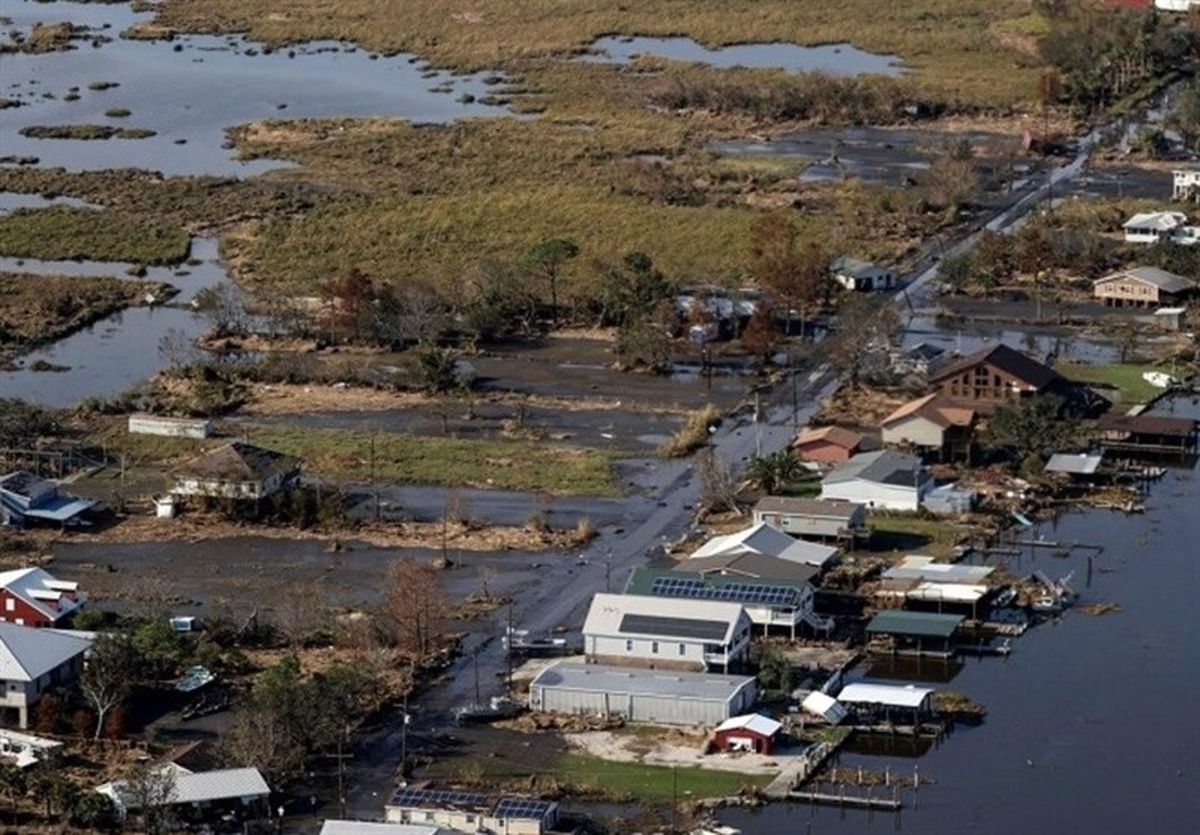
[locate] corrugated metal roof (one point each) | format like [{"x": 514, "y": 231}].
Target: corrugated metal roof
[
  {"x": 768, "y": 540},
  {"x": 608, "y": 615},
  {"x": 816, "y": 508},
  {"x": 708, "y": 687},
  {"x": 27, "y": 653},
  {"x": 924, "y": 624},
  {"x": 755, "y": 722},
  {"x": 908, "y": 695},
  {"x": 1081, "y": 464},
  {"x": 343, "y": 827},
  {"x": 882, "y": 466},
  {"x": 924, "y": 568},
  {"x": 201, "y": 787}
]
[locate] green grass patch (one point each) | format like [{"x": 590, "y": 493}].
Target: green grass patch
[
  {"x": 1121, "y": 383},
  {"x": 411, "y": 459},
  {"x": 908, "y": 533},
  {"x": 84, "y": 132},
  {"x": 63, "y": 233},
  {"x": 652, "y": 783}
]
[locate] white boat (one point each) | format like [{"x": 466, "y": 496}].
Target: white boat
[
  {"x": 1159, "y": 379},
  {"x": 1046, "y": 603}
]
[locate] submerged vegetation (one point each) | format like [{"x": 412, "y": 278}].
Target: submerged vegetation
[{"x": 84, "y": 132}]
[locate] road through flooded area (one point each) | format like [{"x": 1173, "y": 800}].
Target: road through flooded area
[{"x": 1091, "y": 723}]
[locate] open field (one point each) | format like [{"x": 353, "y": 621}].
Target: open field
[
  {"x": 1127, "y": 386},
  {"x": 404, "y": 459},
  {"x": 62, "y": 233},
  {"x": 39, "y": 308},
  {"x": 652, "y": 783}
]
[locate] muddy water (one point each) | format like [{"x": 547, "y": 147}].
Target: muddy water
[
  {"x": 120, "y": 351},
  {"x": 1092, "y": 722},
  {"x": 191, "y": 89},
  {"x": 835, "y": 59}
]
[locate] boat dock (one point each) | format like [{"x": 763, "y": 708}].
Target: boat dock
[
  {"x": 850, "y": 801},
  {"x": 800, "y": 769}
]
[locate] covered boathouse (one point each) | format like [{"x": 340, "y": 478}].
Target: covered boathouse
[{"x": 913, "y": 633}]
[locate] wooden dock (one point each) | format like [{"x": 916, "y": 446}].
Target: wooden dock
[{"x": 849, "y": 801}]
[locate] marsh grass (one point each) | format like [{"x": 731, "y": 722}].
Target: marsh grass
[{"x": 62, "y": 233}]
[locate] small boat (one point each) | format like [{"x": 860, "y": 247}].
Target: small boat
[
  {"x": 1046, "y": 603},
  {"x": 1159, "y": 379},
  {"x": 1004, "y": 598},
  {"x": 194, "y": 679},
  {"x": 499, "y": 707}
]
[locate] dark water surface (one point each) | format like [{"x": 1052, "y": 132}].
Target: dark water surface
[{"x": 1092, "y": 722}]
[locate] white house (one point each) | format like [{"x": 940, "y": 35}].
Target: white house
[
  {"x": 855, "y": 274},
  {"x": 1181, "y": 6},
  {"x": 33, "y": 661},
  {"x": 236, "y": 471},
  {"x": 472, "y": 812},
  {"x": 882, "y": 479},
  {"x": 766, "y": 540},
  {"x": 199, "y": 789},
  {"x": 1152, "y": 227},
  {"x": 171, "y": 427},
  {"x": 657, "y": 632},
  {"x": 1187, "y": 184}
]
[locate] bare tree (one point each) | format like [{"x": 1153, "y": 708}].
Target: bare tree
[
  {"x": 718, "y": 486},
  {"x": 415, "y": 607},
  {"x": 796, "y": 273},
  {"x": 110, "y": 674},
  {"x": 150, "y": 789}
]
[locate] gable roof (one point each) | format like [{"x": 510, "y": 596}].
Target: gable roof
[
  {"x": 1081, "y": 464},
  {"x": 693, "y": 585},
  {"x": 1160, "y": 221},
  {"x": 815, "y": 508},
  {"x": 350, "y": 827},
  {"x": 238, "y": 461},
  {"x": 835, "y": 435},
  {"x": 905, "y": 622},
  {"x": 754, "y": 722},
  {"x": 883, "y": 466},
  {"x": 199, "y": 787},
  {"x": 894, "y": 695},
  {"x": 935, "y": 408},
  {"x": 27, "y": 653},
  {"x": 767, "y": 540},
  {"x": 709, "y": 687},
  {"x": 41, "y": 590},
  {"x": 661, "y": 617},
  {"x": 759, "y": 566},
  {"x": 1021, "y": 366},
  {"x": 1165, "y": 281}
]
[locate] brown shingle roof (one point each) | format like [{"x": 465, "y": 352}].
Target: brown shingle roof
[
  {"x": 1021, "y": 366},
  {"x": 835, "y": 435},
  {"x": 935, "y": 408},
  {"x": 238, "y": 461}
]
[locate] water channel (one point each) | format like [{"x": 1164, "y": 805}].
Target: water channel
[{"x": 834, "y": 59}]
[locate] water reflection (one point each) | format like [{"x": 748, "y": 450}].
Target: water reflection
[{"x": 835, "y": 59}]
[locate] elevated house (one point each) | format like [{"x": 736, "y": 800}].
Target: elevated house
[
  {"x": 883, "y": 479},
  {"x": 999, "y": 376},
  {"x": 34, "y": 597},
  {"x": 241, "y": 792},
  {"x": 659, "y": 632},
  {"x": 236, "y": 471},
  {"x": 471, "y": 812},
  {"x": 1186, "y": 186},
  {"x": 813, "y": 518},
  {"x": 1147, "y": 434},
  {"x": 653, "y": 696},
  {"x": 765, "y": 540},
  {"x": 856, "y": 274},
  {"x": 1144, "y": 287},
  {"x": 753, "y": 565},
  {"x": 917, "y": 633},
  {"x": 1153, "y": 227},
  {"x": 32, "y": 662},
  {"x": 784, "y": 604},
  {"x": 27, "y": 499},
  {"x": 826, "y": 444},
  {"x": 931, "y": 425}
]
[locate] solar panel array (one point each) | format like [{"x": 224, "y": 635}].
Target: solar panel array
[
  {"x": 437, "y": 798},
  {"x": 732, "y": 592},
  {"x": 522, "y": 807},
  {"x": 668, "y": 627}
]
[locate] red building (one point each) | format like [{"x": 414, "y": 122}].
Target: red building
[
  {"x": 828, "y": 444},
  {"x": 34, "y": 597},
  {"x": 751, "y": 732}
]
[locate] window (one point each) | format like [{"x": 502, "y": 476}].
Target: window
[
  {"x": 683, "y": 649},
  {"x": 628, "y": 645},
  {"x": 10, "y": 605},
  {"x": 654, "y": 647}
]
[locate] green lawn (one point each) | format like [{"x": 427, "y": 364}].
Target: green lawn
[
  {"x": 1130, "y": 388},
  {"x": 652, "y": 783},
  {"x": 910, "y": 533}
]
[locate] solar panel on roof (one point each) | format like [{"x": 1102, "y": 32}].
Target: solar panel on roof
[
  {"x": 522, "y": 807},
  {"x": 704, "y": 630},
  {"x": 732, "y": 592},
  {"x": 437, "y": 798}
]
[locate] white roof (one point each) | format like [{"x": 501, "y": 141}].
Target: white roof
[
  {"x": 948, "y": 592},
  {"x": 1160, "y": 221},
  {"x": 1080, "y": 464},
  {"x": 27, "y": 653},
  {"x": 918, "y": 567},
  {"x": 37, "y": 587},
  {"x": 755, "y": 722},
  {"x": 824, "y": 705},
  {"x": 768, "y": 540},
  {"x": 608, "y": 611},
  {"x": 624, "y": 681},
  {"x": 203, "y": 786},
  {"x": 341, "y": 827},
  {"x": 885, "y": 694}
]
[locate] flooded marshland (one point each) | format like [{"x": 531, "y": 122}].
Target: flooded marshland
[{"x": 834, "y": 59}]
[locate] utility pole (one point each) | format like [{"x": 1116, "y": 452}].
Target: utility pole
[
  {"x": 412, "y": 673},
  {"x": 508, "y": 651},
  {"x": 341, "y": 758},
  {"x": 374, "y": 481}
]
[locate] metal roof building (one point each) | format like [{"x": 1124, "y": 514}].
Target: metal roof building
[
  {"x": 769, "y": 541},
  {"x": 813, "y": 517},
  {"x": 348, "y": 827},
  {"x": 919, "y": 633},
  {"x": 926, "y": 569},
  {"x": 887, "y": 695},
  {"x": 471, "y": 811},
  {"x": 654, "y": 696}
]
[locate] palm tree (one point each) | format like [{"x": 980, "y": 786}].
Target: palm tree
[{"x": 770, "y": 473}]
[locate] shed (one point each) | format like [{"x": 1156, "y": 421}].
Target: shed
[
  {"x": 919, "y": 632},
  {"x": 749, "y": 732},
  {"x": 825, "y": 706},
  {"x": 949, "y": 499},
  {"x": 654, "y": 696},
  {"x": 172, "y": 427},
  {"x": 827, "y": 444},
  {"x": 923, "y": 568},
  {"x": 887, "y": 698},
  {"x": 1083, "y": 466}
]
